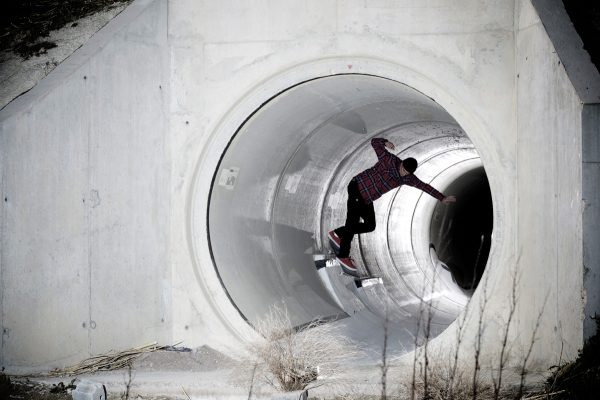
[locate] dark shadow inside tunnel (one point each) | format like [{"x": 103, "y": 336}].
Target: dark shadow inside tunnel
[{"x": 462, "y": 234}]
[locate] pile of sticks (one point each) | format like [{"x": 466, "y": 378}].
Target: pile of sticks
[{"x": 107, "y": 362}]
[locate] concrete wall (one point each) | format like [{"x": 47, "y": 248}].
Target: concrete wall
[
  {"x": 490, "y": 64},
  {"x": 591, "y": 215},
  {"x": 544, "y": 261},
  {"x": 85, "y": 206},
  {"x": 549, "y": 237},
  {"x": 106, "y": 178},
  {"x": 584, "y": 76},
  {"x": 227, "y": 63}
]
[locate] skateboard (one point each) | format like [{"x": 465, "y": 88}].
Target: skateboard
[
  {"x": 360, "y": 280},
  {"x": 328, "y": 260},
  {"x": 325, "y": 260}
]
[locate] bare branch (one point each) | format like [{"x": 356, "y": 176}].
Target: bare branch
[
  {"x": 529, "y": 350},
  {"x": 504, "y": 354},
  {"x": 291, "y": 358},
  {"x": 480, "y": 329}
]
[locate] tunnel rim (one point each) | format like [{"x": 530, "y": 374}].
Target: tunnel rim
[{"x": 251, "y": 102}]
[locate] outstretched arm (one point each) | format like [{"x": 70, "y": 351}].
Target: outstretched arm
[
  {"x": 413, "y": 181},
  {"x": 379, "y": 145}
]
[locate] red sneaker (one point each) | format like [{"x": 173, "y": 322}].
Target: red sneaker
[
  {"x": 348, "y": 266},
  {"x": 334, "y": 240}
]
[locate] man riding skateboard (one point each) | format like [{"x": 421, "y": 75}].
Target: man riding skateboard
[{"x": 388, "y": 173}]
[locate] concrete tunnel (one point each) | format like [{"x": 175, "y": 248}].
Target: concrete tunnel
[
  {"x": 281, "y": 186},
  {"x": 176, "y": 176}
]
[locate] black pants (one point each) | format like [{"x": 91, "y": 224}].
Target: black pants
[{"x": 356, "y": 209}]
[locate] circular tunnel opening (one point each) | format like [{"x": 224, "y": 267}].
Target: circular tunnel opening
[
  {"x": 462, "y": 235},
  {"x": 281, "y": 186}
]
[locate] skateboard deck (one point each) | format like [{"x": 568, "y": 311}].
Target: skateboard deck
[{"x": 329, "y": 259}]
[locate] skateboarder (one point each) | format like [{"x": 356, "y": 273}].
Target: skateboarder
[{"x": 388, "y": 173}]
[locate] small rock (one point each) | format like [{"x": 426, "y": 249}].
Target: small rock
[{"x": 87, "y": 390}]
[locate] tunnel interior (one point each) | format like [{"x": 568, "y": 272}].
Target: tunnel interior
[
  {"x": 462, "y": 235},
  {"x": 281, "y": 186}
]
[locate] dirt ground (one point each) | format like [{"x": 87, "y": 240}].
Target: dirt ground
[
  {"x": 156, "y": 368},
  {"x": 25, "y": 23},
  {"x": 24, "y": 389},
  {"x": 27, "y": 390},
  {"x": 37, "y": 35}
]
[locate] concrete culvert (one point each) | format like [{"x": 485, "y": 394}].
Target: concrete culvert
[
  {"x": 281, "y": 185},
  {"x": 221, "y": 157}
]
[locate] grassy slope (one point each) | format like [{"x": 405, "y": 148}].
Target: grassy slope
[{"x": 25, "y": 23}]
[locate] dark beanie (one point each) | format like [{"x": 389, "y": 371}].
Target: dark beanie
[{"x": 410, "y": 164}]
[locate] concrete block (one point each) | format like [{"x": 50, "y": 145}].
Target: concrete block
[{"x": 87, "y": 390}]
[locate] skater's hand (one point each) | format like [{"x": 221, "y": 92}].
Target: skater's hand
[
  {"x": 390, "y": 145},
  {"x": 449, "y": 199}
]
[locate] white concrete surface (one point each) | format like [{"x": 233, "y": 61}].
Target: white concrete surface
[
  {"x": 85, "y": 216},
  {"x": 549, "y": 193},
  {"x": 107, "y": 166}
]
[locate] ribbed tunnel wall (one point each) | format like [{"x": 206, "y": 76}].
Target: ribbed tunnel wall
[
  {"x": 281, "y": 186},
  {"x": 112, "y": 235}
]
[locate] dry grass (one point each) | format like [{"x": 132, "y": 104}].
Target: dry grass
[
  {"x": 579, "y": 379},
  {"x": 445, "y": 384},
  {"x": 435, "y": 378},
  {"x": 292, "y": 359},
  {"x": 107, "y": 362}
]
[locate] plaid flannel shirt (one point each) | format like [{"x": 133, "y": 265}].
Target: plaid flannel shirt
[{"x": 385, "y": 176}]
